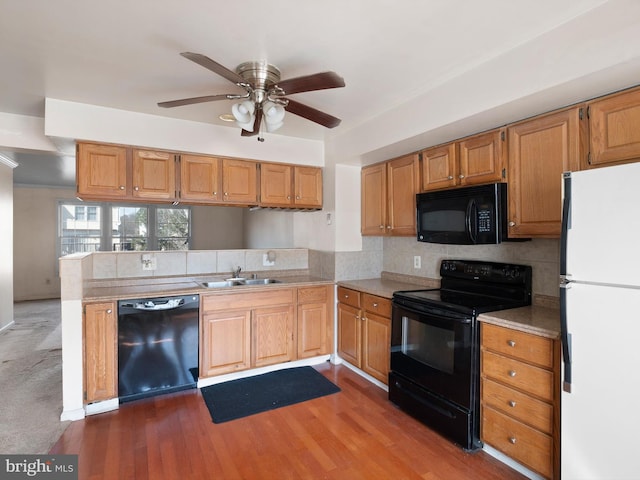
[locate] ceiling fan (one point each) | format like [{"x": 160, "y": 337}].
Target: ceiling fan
[{"x": 265, "y": 96}]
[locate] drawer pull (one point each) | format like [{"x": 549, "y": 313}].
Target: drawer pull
[
  {"x": 512, "y": 403},
  {"x": 512, "y": 373},
  {"x": 512, "y": 440},
  {"x": 375, "y": 304},
  {"x": 346, "y": 296},
  {"x": 511, "y": 343}
]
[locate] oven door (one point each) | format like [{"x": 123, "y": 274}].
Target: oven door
[{"x": 436, "y": 351}]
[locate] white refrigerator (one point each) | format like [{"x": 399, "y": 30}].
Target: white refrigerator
[{"x": 600, "y": 317}]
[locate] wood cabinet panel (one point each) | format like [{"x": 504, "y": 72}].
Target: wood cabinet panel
[
  {"x": 101, "y": 171},
  {"x": 402, "y": 185},
  {"x": 511, "y": 372},
  {"x": 614, "y": 127},
  {"x": 154, "y": 175},
  {"x": 272, "y": 335},
  {"x": 276, "y": 183},
  {"x": 315, "y": 322},
  {"x": 308, "y": 187},
  {"x": 524, "y": 444},
  {"x": 376, "y": 345},
  {"x": 373, "y": 184},
  {"x": 200, "y": 179},
  {"x": 349, "y": 297},
  {"x": 481, "y": 158},
  {"x": 439, "y": 167},
  {"x": 349, "y": 334},
  {"x": 541, "y": 149},
  {"x": 100, "y": 352},
  {"x": 527, "y": 347},
  {"x": 240, "y": 181},
  {"x": 226, "y": 342}
]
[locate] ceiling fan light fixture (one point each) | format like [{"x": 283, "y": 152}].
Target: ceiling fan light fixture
[
  {"x": 273, "y": 115},
  {"x": 243, "y": 113}
]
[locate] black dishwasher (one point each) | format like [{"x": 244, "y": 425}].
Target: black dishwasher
[{"x": 157, "y": 346}]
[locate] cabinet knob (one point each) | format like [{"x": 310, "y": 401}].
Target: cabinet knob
[
  {"x": 512, "y": 440},
  {"x": 215, "y": 193},
  {"x": 512, "y": 403},
  {"x": 288, "y": 197},
  {"x": 512, "y": 373},
  {"x": 136, "y": 188},
  {"x": 381, "y": 227},
  {"x": 511, "y": 343},
  {"x": 512, "y": 224},
  {"x": 121, "y": 187},
  {"x": 460, "y": 176},
  {"x": 450, "y": 177},
  {"x": 375, "y": 304},
  {"x": 109, "y": 311},
  {"x": 389, "y": 227},
  {"x": 346, "y": 295},
  {"x": 297, "y": 197}
]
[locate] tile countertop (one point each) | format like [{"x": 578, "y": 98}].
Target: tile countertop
[
  {"x": 102, "y": 291},
  {"x": 538, "y": 320}
]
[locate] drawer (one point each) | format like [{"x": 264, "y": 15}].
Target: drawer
[
  {"x": 508, "y": 371},
  {"x": 312, "y": 294},
  {"x": 524, "y": 444},
  {"x": 535, "y": 413},
  {"x": 378, "y": 305},
  {"x": 259, "y": 298},
  {"x": 525, "y": 346},
  {"x": 349, "y": 297}
]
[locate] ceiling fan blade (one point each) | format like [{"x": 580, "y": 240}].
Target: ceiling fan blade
[
  {"x": 308, "y": 83},
  {"x": 312, "y": 114},
  {"x": 190, "y": 101},
  {"x": 215, "y": 67},
  {"x": 256, "y": 125}
]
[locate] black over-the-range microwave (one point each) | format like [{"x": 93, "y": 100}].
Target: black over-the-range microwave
[{"x": 463, "y": 216}]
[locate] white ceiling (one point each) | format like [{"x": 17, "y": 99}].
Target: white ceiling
[{"x": 124, "y": 54}]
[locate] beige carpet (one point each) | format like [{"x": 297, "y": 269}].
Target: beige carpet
[{"x": 31, "y": 379}]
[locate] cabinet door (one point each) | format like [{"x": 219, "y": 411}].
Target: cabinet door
[
  {"x": 272, "y": 329},
  {"x": 614, "y": 126},
  {"x": 100, "y": 352},
  {"x": 481, "y": 158},
  {"x": 402, "y": 184},
  {"x": 154, "y": 175},
  {"x": 350, "y": 334},
  {"x": 239, "y": 181},
  {"x": 101, "y": 171},
  {"x": 200, "y": 179},
  {"x": 539, "y": 151},
  {"x": 376, "y": 345},
  {"x": 439, "y": 167},
  {"x": 373, "y": 185},
  {"x": 276, "y": 182},
  {"x": 226, "y": 342},
  {"x": 308, "y": 187},
  {"x": 312, "y": 330}
]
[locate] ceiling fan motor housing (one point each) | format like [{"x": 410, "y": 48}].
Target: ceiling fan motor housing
[{"x": 261, "y": 75}]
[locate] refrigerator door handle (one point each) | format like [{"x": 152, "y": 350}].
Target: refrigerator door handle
[
  {"x": 566, "y": 221},
  {"x": 565, "y": 337}
]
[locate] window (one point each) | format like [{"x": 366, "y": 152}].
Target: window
[{"x": 85, "y": 227}]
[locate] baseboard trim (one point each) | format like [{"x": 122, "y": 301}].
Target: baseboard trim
[{"x": 72, "y": 415}]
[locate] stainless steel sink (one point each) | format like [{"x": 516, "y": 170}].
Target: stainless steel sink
[
  {"x": 261, "y": 281},
  {"x": 238, "y": 282}
]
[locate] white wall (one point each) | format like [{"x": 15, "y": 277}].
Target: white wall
[{"x": 6, "y": 245}]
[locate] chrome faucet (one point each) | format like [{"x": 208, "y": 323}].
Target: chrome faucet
[{"x": 236, "y": 272}]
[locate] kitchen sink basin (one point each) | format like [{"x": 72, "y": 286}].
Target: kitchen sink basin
[{"x": 239, "y": 281}]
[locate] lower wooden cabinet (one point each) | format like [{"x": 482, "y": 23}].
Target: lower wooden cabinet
[
  {"x": 100, "y": 352},
  {"x": 364, "y": 331},
  {"x": 249, "y": 329},
  {"x": 520, "y": 397}
]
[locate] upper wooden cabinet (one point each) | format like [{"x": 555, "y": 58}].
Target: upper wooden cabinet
[
  {"x": 101, "y": 171},
  {"x": 614, "y": 126},
  {"x": 388, "y": 196},
  {"x": 154, "y": 175},
  {"x": 540, "y": 149},
  {"x": 470, "y": 161},
  {"x": 239, "y": 182},
  {"x": 200, "y": 179},
  {"x": 290, "y": 186}
]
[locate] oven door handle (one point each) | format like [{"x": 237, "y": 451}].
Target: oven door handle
[{"x": 435, "y": 316}]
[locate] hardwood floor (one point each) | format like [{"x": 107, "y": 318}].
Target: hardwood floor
[{"x": 354, "y": 434}]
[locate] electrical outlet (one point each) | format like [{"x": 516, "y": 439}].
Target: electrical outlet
[
  {"x": 417, "y": 261},
  {"x": 149, "y": 261}
]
